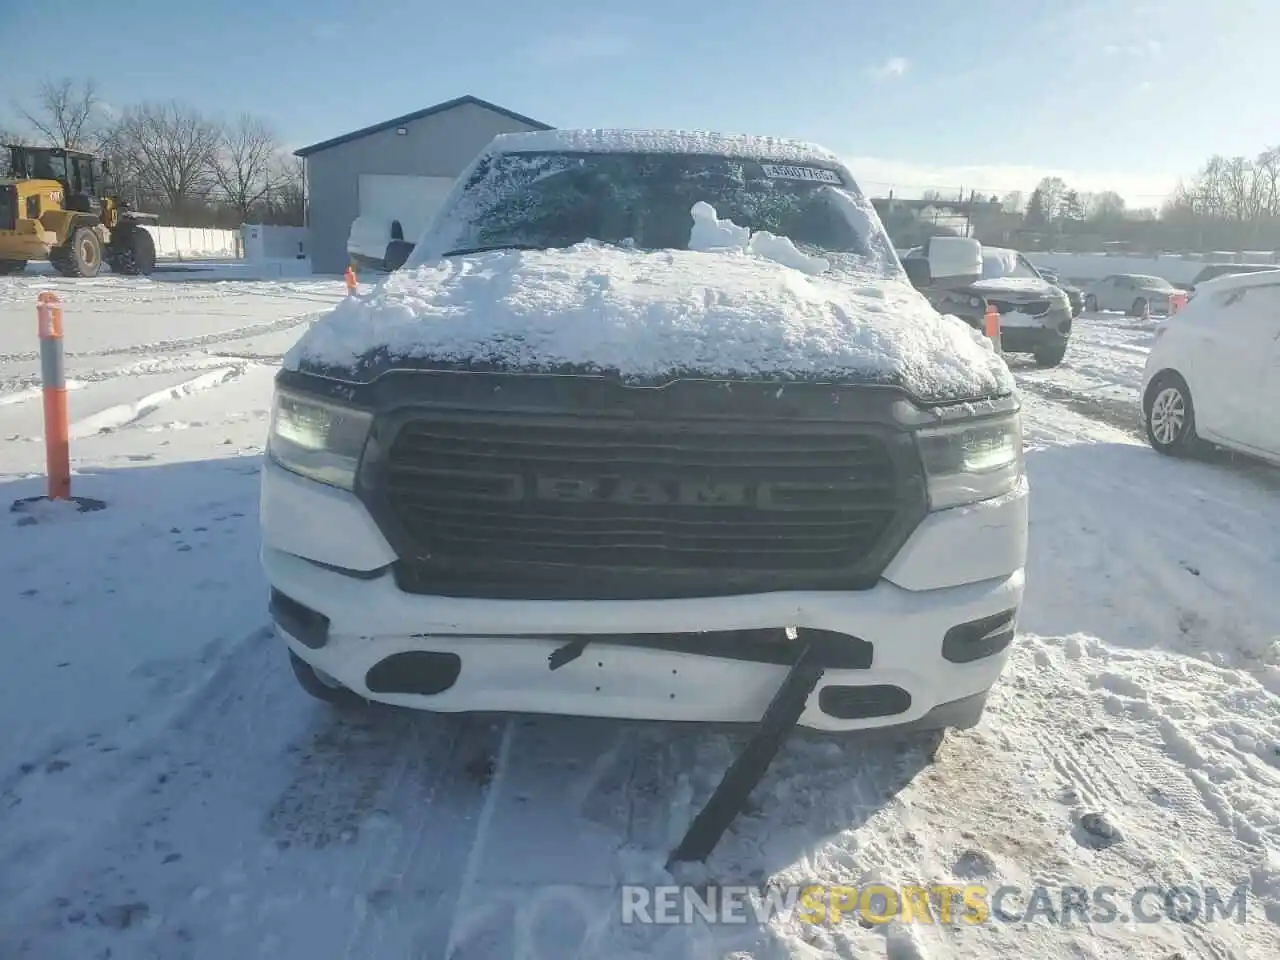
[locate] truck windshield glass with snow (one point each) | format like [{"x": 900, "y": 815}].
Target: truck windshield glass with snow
[{"x": 552, "y": 200}]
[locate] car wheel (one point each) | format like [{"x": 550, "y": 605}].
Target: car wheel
[
  {"x": 1170, "y": 415},
  {"x": 1050, "y": 356},
  {"x": 1137, "y": 308},
  {"x": 1091, "y": 303},
  {"x": 322, "y": 686}
]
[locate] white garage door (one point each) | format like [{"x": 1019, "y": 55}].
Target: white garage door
[{"x": 411, "y": 200}]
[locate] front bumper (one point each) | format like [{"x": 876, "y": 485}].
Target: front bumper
[
  {"x": 1050, "y": 332},
  {"x": 961, "y": 568}
]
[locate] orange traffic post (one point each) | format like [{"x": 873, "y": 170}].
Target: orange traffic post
[
  {"x": 991, "y": 326},
  {"x": 350, "y": 277},
  {"x": 57, "y": 444}
]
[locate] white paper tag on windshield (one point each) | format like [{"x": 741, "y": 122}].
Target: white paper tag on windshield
[{"x": 782, "y": 171}]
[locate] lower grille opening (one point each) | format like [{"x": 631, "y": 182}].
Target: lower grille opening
[
  {"x": 860, "y": 703},
  {"x": 976, "y": 639},
  {"x": 419, "y": 672},
  {"x": 307, "y": 626}
]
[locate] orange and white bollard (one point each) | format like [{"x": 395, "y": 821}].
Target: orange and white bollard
[
  {"x": 57, "y": 432},
  {"x": 991, "y": 326},
  {"x": 350, "y": 277},
  {"x": 57, "y": 444}
]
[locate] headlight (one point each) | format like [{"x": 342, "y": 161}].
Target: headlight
[
  {"x": 968, "y": 462},
  {"x": 317, "y": 439}
]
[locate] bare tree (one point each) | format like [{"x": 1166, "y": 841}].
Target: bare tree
[
  {"x": 67, "y": 113},
  {"x": 170, "y": 148},
  {"x": 11, "y": 136},
  {"x": 1013, "y": 202},
  {"x": 244, "y": 164},
  {"x": 289, "y": 197},
  {"x": 1107, "y": 205}
]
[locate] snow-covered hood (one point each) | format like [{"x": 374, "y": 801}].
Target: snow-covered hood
[
  {"x": 652, "y": 317},
  {"x": 1014, "y": 287}
]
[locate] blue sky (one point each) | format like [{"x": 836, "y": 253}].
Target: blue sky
[{"x": 915, "y": 93}]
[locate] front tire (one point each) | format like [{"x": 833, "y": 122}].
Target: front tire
[
  {"x": 133, "y": 252},
  {"x": 1050, "y": 356},
  {"x": 81, "y": 257},
  {"x": 1170, "y": 416},
  {"x": 321, "y": 687}
]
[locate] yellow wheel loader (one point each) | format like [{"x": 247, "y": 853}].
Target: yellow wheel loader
[{"x": 58, "y": 205}]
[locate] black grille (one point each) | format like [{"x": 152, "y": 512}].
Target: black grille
[
  {"x": 595, "y": 494},
  {"x": 1033, "y": 308}
]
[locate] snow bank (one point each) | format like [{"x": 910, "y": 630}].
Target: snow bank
[{"x": 650, "y": 315}]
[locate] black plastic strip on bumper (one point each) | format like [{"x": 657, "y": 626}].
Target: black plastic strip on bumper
[
  {"x": 979, "y": 638},
  {"x": 309, "y": 628},
  {"x": 750, "y": 766}
]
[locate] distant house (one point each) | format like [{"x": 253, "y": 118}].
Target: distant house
[{"x": 398, "y": 168}]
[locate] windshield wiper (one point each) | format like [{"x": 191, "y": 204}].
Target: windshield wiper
[{"x": 493, "y": 246}]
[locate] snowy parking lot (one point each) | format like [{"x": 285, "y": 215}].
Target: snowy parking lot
[{"x": 166, "y": 790}]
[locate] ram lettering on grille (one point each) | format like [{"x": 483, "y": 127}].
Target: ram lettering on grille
[{"x": 625, "y": 490}]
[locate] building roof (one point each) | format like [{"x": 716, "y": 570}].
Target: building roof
[{"x": 410, "y": 117}]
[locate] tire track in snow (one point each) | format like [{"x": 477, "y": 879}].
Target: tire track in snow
[
  {"x": 260, "y": 820},
  {"x": 124, "y": 414},
  {"x": 182, "y": 343}
]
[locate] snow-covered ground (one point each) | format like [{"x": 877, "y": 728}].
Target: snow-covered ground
[{"x": 166, "y": 791}]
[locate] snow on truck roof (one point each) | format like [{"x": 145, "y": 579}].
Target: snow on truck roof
[{"x": 772, "y": 149}]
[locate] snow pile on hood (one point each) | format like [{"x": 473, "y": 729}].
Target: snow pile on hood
[
  {"x": 1012, "y": 285},
  {"x": 711, "y": 233},
  {"x": 652, "y": 316}
]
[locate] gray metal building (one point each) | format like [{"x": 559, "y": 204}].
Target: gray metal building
[{"x": 403, "y": 166}]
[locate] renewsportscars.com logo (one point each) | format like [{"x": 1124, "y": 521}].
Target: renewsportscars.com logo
[{"x": 935, "y": 903}]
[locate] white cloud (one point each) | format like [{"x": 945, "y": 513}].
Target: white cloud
[
  {"x": 1148, "y": 48},
  {"x": 877, "y": 176},
  {"x": 891, "y": 69},
  {"x": 578, "y": 45}
]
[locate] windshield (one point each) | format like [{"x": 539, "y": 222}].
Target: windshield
[
  {"x": 549, "y": 200},
  {"x": 1006, "y": 263}
]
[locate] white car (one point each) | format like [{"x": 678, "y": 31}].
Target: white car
[
  {"x": 1131, "y": 293},
  {"x": 1213, "y": 373},
  {"x": 648, "y": 423}
]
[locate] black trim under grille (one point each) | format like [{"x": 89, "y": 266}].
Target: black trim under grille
[
  {"x": 1033, "y": 308},
  {"x": 599, "y": 507}
]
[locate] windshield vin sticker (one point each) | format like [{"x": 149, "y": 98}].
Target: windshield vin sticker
[{"x": 783, "y": 171}]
